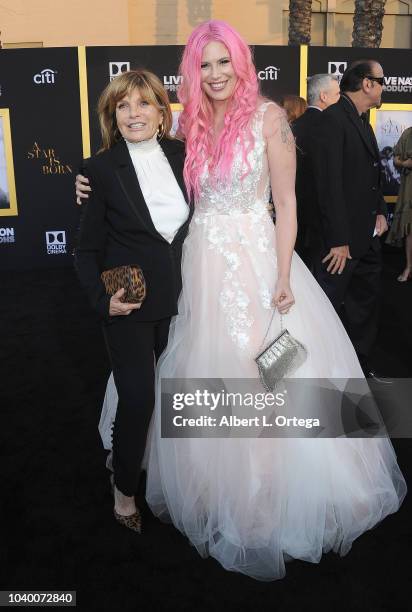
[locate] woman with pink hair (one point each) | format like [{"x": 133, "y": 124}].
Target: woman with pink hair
[{"x": 252, "y": 503}]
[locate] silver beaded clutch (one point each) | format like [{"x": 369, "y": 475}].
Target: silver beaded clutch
[{"x": 280, "y": 358}]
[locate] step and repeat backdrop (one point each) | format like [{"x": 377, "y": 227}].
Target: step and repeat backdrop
[{"x": 48, "y": 123}]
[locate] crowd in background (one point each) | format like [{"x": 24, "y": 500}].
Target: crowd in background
[{"x": 339, "y": 187}]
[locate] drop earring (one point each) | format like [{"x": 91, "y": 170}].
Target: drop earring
[{"x": 161, "y": 131}]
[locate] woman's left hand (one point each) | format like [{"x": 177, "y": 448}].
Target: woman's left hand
[{"x": 283, "y": 298}]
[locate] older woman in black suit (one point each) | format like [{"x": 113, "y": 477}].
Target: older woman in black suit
[{"x": 137, "y": 213}]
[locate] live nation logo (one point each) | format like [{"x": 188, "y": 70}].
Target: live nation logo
[
  {"x": 56, "y": 242},
  {"x": 172, "y": 82},
  {"x": 398, "y": 84},
  {"x": 6, "y": 235},
  {"x": 48, "y": 160},
  {"x": 394, "y": 84}
]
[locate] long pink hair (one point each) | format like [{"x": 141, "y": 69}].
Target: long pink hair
[{"x": 196, "y": 120}]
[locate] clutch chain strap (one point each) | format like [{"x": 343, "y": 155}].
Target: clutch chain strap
[{"x": 267, "y": 331}]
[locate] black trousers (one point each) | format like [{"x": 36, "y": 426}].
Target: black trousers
[
  {"x": 134, "y": 347},
  {"x": 355, "y": 295}
]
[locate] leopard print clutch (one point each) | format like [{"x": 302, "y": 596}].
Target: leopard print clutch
[{"x": 131, "y": 278}]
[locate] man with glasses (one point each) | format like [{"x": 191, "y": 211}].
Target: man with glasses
[{"x": 346, "y": 255}]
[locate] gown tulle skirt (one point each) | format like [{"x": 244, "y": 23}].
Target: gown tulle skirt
[{"x": 253, "y": 504}]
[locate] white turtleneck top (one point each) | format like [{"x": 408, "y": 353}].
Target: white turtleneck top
[{"x": 163, "y": 196}]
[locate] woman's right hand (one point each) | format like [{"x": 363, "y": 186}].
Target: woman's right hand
[
  {"x": 121, "y": 308},
  {"x": 82, "y": 188},
  {"x": 283, "y": 298}
]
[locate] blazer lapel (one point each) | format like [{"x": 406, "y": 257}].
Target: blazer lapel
[{"x": 129, "y": 183}]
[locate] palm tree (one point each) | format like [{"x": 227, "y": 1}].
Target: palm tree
[
  {"x": 367, "y": 23},
  {"x": 300, "y": 18}
]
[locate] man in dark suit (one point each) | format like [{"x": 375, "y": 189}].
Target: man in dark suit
[
  {"x": 350, "y": 206},
  {"x": 323, "y": 90}
]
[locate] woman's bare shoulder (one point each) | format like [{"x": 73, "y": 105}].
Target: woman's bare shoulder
[{"x": 274, "y": 117}]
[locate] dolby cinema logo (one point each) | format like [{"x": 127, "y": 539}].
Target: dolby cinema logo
[
  {"x": 117, "y": 68},
  {"x": 56, "y": 242},
  {"x": 337, "y": 69}
]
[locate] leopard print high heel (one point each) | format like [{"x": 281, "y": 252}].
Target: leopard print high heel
[{"x": 131, "y": 521}]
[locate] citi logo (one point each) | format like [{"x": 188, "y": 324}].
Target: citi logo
[
  {"x": 6, "y": 234},
  {"x": 116, "y": 68},
  {"x": 56, "y": 242},
  {"x": 270, "y": 73},
  {"x": 45, "y": 77},
  {"x": 337, "y": 68}
]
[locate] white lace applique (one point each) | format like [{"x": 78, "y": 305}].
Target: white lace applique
[
  {"x": 265, "y": 297},
  {"x": 228, "y": 236},
  {"x": 235, "y": 301}
]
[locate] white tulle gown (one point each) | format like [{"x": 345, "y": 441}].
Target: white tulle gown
[{"x": 253, "y": 504}]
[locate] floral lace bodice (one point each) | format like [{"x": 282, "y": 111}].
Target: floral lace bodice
[{"x": 237, "y": 195}]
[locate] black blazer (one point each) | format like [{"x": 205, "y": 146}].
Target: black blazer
[
  {"x": 304, "y": 129},
  {"x": 116, "y": 229},
  {"x": 346, "y": 163}
]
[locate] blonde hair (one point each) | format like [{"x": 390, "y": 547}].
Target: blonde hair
[{"x": 151, "y": 91}]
